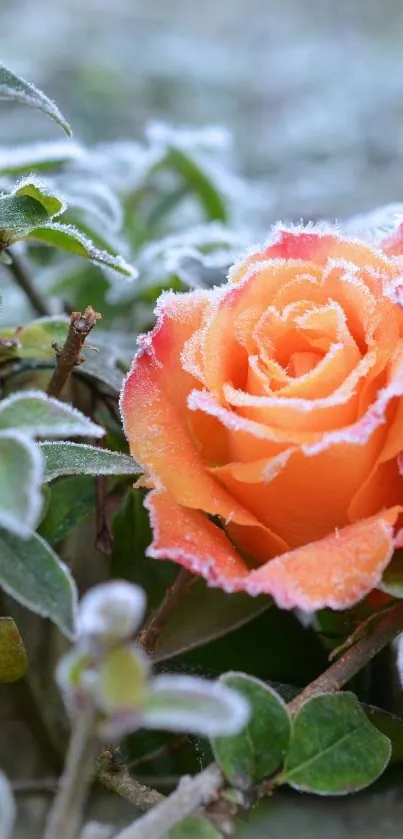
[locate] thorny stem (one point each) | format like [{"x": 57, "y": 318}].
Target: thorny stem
[
  {"x": 66, "y": 813},
  {"x": 69, "y": 355},
  {"x": 190, "y": 794},
  {"x": 23, "y": 281},
  {"x": 148, "y": 637}
]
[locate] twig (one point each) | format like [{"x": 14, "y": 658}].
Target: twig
[
  {"x": 69, "y": 355},
  {"x": 66, "y": 814},
  {"x": 21, "y": 278},
  {"x": 175, "y": 593},
  {"x": 121, "y": 782},
  {"x": 190, "y": 794},
  {"x": 356, "y": 657}
]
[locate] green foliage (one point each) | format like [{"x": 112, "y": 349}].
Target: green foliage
[
  {"x": 334, "y": 749},
  {"x": 15, "y": 89},
  {"x": 259, "y": 749},
  {"x": 81, "y": 459},
  {"x": 31, "y": 572}
]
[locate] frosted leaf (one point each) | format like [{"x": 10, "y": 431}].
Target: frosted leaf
[
  {"x": 21, "y": 473},
  {"x": 38, "y": 189},
  {"x": 111, "y": 611},
  {"x": 210, "y": 138},
  {"x": 16, "y": 89},
  {"x": 69, "y": 238},
  {"x": 187, "y": 703},
  {"x": 82, "y": 459},
  {"x": 39, "y": 415},
  {"x": 21, "y": 158},
  {"x": 375, "y": 225}
]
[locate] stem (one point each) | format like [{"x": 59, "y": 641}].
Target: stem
[
  {"x": 191, "y": 793},
  {"x": 148, "y": 637},
  {"x": 122, "y": 783},
  {"x": 66, "y": 814},
  {"x": 70, "y": 355},
  {"x": 23, "y": 281},
  {"x": 339, "y": 673}
]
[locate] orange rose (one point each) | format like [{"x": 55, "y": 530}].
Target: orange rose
[{"x": 274, "y": 404}]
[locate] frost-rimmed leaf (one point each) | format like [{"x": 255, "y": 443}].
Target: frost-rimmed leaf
[
  {"x": 35, "y": 339},
  {"x": 13, "y": 658},
  {"x": 68, "y": 238},
  {"x": 19, "y": 214},
  {"x": 33, "y": 574},
  {"x": 83, "y": 459},
  {"x": 334, "y": 749},
  {"x": 186, "y": 703},
  {"x": 21, "y": 159},
  {"x": 38, "y": 415},
  {"x": 100, "y": 366},
  {"x": 35, "y": 188},
  {"x": 16, "y": 89},
  {"x": 7, "y": 808},
  {"x": 259, "y": 750},
  {"x": 21, "y": 474},
  {"x": 194, "y": 827}
]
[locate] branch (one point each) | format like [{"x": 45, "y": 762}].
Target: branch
[
  {"x": 70, "y": 355},
  {"x": 66, "y": 814},
  {"x": 121, "y": 782},
  {"x": 343, "y": 670},
  {"x": 191, "y": 793},
  {"x": 148, "y": 637},
  {"x": 23, "y": 281}
]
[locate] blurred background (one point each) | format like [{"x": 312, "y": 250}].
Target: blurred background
[{"x": 311, "y": 91}]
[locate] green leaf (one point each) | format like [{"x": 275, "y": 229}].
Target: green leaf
[
  {"x": 121, "y": 680},
  {"x": 82, "y": 459},
  {"x": 194, "y": 827},
  {"x": 71, "y": 501},
  {"x": 18, "y": 215},
  {"x": 35, "y": 339},
  {"x": 39, "y": 415},
  {"x": 258, "y": 751},
  {"x": 34, "y": 188},
  {"x": 204, "y": 615},
  {"x": 13, "y": 658},
  {"x": 31, "y": 572},
  {"x": 199, "y": 182},
  {"x": 197, "y": 706},
  {"x": 68, "y": 238},
  {"x": 21, "y": 159},
  {"x": 16, "y": 89},
  {"x": 20, "y": 483},
  {"x": 334, "y": 749},
  {"x": 100, "y": 366}
]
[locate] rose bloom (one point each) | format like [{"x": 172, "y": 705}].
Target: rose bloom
[{"x": 268, "y": 416}]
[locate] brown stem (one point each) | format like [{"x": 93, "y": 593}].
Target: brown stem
[
  {"x": 23, "y": 281},
  {"x": 148, "y": 637},
  {"x": 343, "y": 670},
  {"x": 69, "y": 356},
  {"x": 117, "y": 779}
]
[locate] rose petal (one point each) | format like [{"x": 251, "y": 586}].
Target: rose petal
[
  {"x": 190, "y": 539},
  {"x": 154, "y": 411},
  {"x": 334, "y": 572}
]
